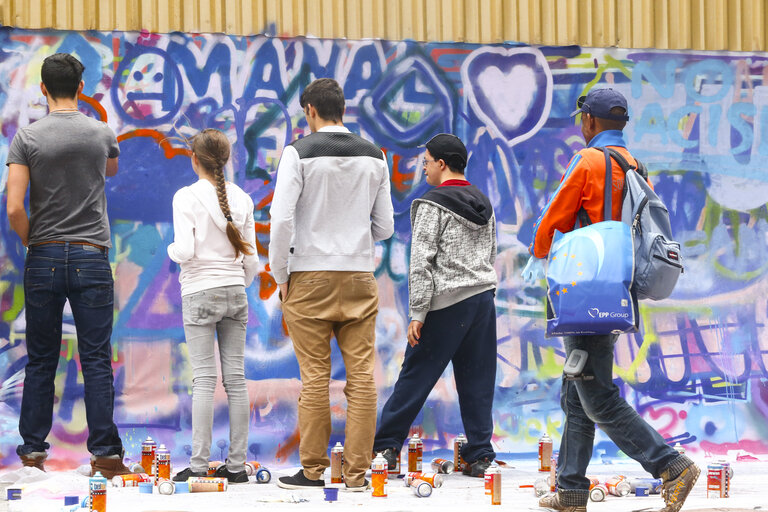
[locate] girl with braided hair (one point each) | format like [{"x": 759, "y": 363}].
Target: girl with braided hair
[{"x": 214, "y": 241}]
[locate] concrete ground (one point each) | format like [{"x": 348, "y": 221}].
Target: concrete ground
[{"x": 45, "y": 491}]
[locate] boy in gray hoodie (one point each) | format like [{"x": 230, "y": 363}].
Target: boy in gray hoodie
[{"x": 452, "y": 285}]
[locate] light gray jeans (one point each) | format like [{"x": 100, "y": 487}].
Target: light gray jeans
[{"x": 222, "y": 313}]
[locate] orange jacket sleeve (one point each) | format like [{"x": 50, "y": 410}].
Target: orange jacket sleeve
[{"x": 561, "y": 211}]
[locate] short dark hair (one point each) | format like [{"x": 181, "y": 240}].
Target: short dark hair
[
  {"x": 614, "y": 124},
  {"x": 326, "y": 96},
  {"x": 61, "y": 74}
]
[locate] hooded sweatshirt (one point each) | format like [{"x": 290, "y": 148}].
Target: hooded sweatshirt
[
  {"x": 200, "y": 244},
  {"x": 453, "y": 248}
]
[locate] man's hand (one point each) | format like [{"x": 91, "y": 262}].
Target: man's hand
[
  {"x": 283, "y": 291},
  {"x": 414, "y": 332},
  {"x": 534, "y": 270}
]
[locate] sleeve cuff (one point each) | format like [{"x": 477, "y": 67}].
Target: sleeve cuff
[
  {"x": 419, "y": 315},
  {"x": 281, "y": 275}
]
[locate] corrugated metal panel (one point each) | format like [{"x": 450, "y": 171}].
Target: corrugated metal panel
[{"x": 697, "y": 24}]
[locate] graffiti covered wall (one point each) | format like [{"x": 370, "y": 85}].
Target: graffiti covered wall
[{"x": 699, "y": 120}]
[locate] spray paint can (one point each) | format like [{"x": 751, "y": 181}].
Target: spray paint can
[
  {"x": 618, "y": 486},
  {"x": 495, "y": 484},
  {"x": 337, "y": 461},
  {"x": 553, "y": 472},
  {"x": 714, "y": 480},
  {"x": 728, "y": 468},
  {"x": 148, "y": 449},
  {"x": 263, "y": 475},
  {"x": 163, "y": 463},
  {"x": 593, "y": 481},
  {"x": 379, "y": 476},
  {"x": 213, "y": 466},
  {"x": 679, "y": 448},
  {"x": 444, "y": 466},
  {"x": 97, "y": 491},
  {"x": 458, "y": 460},
  {"x": 653, "y": 484},
  {"x": 14, "y": 500},
  {"x": 207, "y": 484},
  {"x": 421, "y": 488},
  {"x": 545, "y": 453},
  {"x": 718, "y": 481},
  {"x": 130, "y": 480},
  {"x": 433, "y": 479},
  {"x": 540, "y": 487},
  {"x": 598, "y": 493},
  {"x": 166, "y": 487},
  {"x": 415, "y": 453},
  {"x": 136, "y": 467},
  {"x": 395, "y": 472}
]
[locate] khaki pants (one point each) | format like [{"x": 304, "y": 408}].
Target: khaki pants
[{"x": 344, "y": 304}]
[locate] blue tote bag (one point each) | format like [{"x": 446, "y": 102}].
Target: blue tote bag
[{"x": 589, "y": 278}]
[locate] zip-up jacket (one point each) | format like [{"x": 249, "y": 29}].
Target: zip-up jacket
[
  {"x": 331, "y": 204},
  {"x": 453, "y": 248},
  {"x": 582, "y": 186}
]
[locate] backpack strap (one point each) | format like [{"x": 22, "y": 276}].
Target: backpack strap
[
  {"x": 625, "y": 166},
  {"x": 582, "y": 216}
]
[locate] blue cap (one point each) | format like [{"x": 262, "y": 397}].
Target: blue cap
[
  {"x": 182, "y": 488},
  {"x": 71, "y": 500},
  {"x": 146, "y": 487},
  {"x": 599, "y": 102}
]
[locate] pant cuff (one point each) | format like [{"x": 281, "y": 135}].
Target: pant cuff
[
  {"x": 573, "y": 497},
  {"x": 675, "y": 467}
]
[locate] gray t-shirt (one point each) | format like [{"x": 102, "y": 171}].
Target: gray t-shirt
[{"x": 66, "y": 153}]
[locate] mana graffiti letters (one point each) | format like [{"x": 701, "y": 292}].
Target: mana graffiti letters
[{"x": 697, "y": 372}]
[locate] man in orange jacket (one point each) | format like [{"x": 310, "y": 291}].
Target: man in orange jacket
[{"x": 578, "y": 201}]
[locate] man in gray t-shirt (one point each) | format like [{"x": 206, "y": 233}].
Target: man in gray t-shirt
[{"x": 64, "y": 159}]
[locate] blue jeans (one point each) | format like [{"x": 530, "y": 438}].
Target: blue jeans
[
  {"x": 597, "y": 401},
  {"x": 53, "y": 274},
  {"x": 464, "y": 334}
]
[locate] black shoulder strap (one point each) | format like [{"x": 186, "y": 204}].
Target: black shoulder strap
[{"x": 625, "y": 166}]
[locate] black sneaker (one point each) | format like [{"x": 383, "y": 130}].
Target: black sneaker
[
  {"x": 477, "y": 468},
  {"x": 183, "y": 475},
  {"x": 391, "y": 454},
  {"x": 241, "y": 477},
  {"x": 358, "y": 488},
  {"x": 299, "y": 481}
]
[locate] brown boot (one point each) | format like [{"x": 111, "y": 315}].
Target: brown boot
[
  {"x": 675, "y": 490},
  {"x": 109, "y": 466},
  {"x": 34, "y": 460}
]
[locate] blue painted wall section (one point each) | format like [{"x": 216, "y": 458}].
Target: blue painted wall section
[{"x": 697, "y": 372}]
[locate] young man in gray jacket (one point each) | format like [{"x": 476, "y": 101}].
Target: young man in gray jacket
[
  {"x": 452, "y": 285},
  {"x": 331, "y": 204}
]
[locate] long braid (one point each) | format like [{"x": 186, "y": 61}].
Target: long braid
[
  {"x": 212, "y": 150},
  {"x": 221, "y": 192}
]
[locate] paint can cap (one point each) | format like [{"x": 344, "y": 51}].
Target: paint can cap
[
  {"x": 71, "y": 500},
  {"x": 182, "y": 488}
]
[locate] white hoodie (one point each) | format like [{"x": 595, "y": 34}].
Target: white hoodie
[{"x": 200, "y": 244}]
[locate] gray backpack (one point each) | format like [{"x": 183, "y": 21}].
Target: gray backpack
[{"x": 658, "y": 262}]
